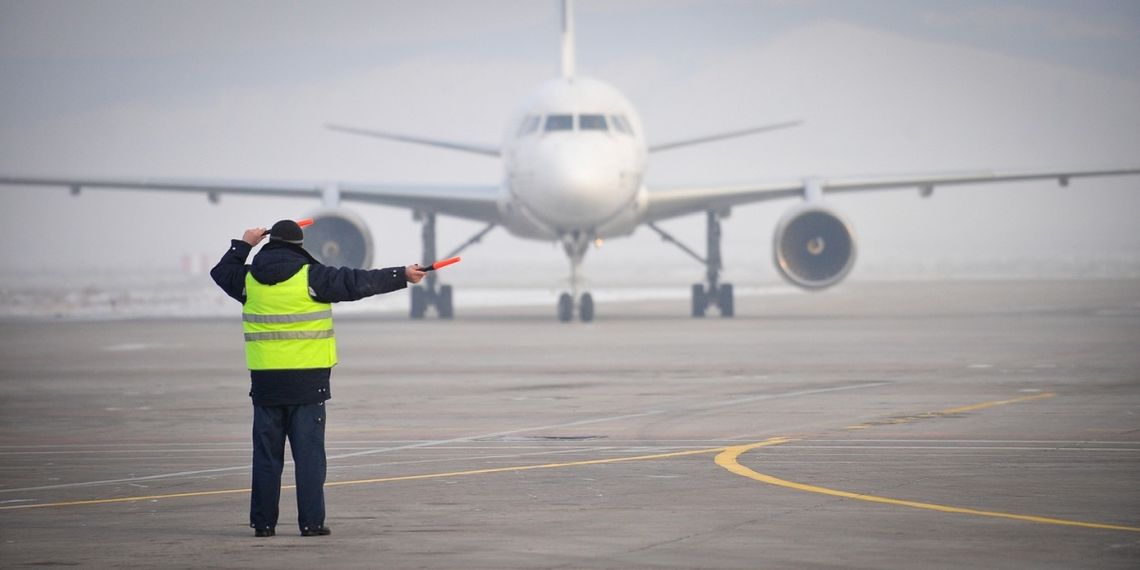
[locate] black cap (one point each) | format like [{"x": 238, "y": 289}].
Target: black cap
[{"x": 287, "y": 231}]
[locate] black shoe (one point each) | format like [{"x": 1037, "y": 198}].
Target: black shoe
[
  {"x": 319, "y": 531},
  {"x": 261, "y": 532}
]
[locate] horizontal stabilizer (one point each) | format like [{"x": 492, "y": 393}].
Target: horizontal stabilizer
[
  {"x": 722, "y": 136},
  {"x": 486, "y": 150}
]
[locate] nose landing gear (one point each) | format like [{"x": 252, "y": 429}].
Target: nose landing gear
[
  {"x": 575, "y": 245},
  {"x": 566, "y": 307}
]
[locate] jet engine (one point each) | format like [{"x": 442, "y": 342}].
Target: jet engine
[
  {"x": 339, "y": 238},
  {"x": 814, "y": 247}
]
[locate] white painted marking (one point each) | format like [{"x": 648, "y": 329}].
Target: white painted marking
[
  {"x": 1021, "y": 441},
  {"x": 961, "y": 447},
  {"x": 125, "y": 347},
  {"x": 123, "y": 451},
  {"x": 706, "y": 406},
  {"x": 388, "y": 464}
]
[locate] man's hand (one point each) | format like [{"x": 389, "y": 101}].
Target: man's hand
[
  {"x": 414, "y": 273},
  {"x": 253, "y": 236}
]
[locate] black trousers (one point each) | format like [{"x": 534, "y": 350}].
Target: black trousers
[{"x": 304, "y": 426}]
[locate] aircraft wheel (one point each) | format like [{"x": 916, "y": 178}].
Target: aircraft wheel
[
  {"x": 724, "y": 300},
  {"x": 586, "y": 308},
  {"x": 565, "y": 307},
  {"x": 699, "y": 300},
  {"x": 443, "y": 303},
  {"x": 419, "y": 302}
]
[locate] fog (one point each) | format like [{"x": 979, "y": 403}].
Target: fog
[{"x": 243, "y": 89}]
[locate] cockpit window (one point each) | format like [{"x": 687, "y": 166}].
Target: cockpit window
[
  {"x": 621, "y": 124},
  {"x": 559, "y": 123},
  {"x": 592, "y": 122},
  {"x": 529, "y": 125}
]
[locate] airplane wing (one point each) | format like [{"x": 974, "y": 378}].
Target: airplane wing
[
  {"x": 471, "y": 202},
  {"x": 671, "y": 202}
]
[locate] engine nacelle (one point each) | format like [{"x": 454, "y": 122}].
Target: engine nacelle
[
  {"x": 814, "y": 247},
  {"x": 338, "y": 238}
]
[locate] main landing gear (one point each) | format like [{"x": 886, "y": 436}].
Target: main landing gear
[
  {"x": 712, "y": 292},
  {"x": 575, "y": 244},
  {"x": 432, "y": 293}
]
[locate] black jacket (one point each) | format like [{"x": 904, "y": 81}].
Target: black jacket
[{"x": 276, "y": 262}]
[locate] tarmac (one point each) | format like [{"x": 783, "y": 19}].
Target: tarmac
[{"x": 989, "y": 424}]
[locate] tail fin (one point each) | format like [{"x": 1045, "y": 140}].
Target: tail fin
[{"x": 568, "y": 39}]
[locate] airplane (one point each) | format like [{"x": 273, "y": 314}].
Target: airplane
[{"x": 574, "y": 160}]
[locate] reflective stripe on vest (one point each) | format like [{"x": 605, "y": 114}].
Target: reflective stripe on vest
[
  {"x": 285, "y": 329},
  {"x": 287, "y": 318},
  {"x": 288, "y": 335}
]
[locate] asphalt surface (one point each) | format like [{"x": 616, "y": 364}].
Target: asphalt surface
[{"x": 970, "y": 424}]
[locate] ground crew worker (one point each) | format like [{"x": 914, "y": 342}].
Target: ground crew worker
[{"x": 290, "y": 350}]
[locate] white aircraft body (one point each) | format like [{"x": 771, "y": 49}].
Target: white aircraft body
[{"x": 574, "y": 162}]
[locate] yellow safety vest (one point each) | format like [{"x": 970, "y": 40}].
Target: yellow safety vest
[{"x": 285, "y": 329}]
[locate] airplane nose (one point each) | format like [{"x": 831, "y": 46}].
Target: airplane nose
[
  {"x": 580, "y": 181},
  {"x": 578, "y": 167}
]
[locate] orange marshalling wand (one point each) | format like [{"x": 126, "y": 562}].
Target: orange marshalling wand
[{"x": 441, "y": 264}]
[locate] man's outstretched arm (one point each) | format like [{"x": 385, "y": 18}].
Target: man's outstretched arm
[{"x": 336, "y": 284}]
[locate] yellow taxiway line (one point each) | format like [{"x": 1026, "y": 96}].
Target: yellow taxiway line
[
  {"x": 948, "y": 412},
  {"x": 729, "y": 459}
]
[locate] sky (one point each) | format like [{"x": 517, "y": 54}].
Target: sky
[{"x": 242, "y": 90}]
